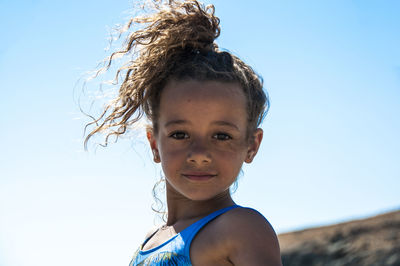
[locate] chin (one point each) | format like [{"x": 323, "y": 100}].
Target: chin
[
  {"x": 202, "y": 196},
  {"x": 199, "y": 197}
]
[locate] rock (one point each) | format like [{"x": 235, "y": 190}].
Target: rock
[{"x": 372, "y": 241}]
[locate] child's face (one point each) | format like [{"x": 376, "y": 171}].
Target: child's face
[{"x": 201, "y": 142}]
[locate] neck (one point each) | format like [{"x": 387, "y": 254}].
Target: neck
[{"x": 182, "y": 209}]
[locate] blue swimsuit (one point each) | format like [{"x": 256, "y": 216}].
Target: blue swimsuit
[{"x": 174, "y": 251}]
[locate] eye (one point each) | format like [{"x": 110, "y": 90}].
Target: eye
[
  {"x": 222, "y": 136},
  {"x": 179, "y": 135}
]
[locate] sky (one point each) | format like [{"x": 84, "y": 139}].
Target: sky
[{"x": 331, "y": 143}]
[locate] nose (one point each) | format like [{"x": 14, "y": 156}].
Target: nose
[{"x": 198, "y": 153}]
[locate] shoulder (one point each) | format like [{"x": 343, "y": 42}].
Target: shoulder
[
  {"x": 249, "y": 238},
  {"x": 151, "y": 232}
]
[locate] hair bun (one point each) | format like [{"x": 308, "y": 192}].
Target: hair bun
[{"x": 187, "y": 25}]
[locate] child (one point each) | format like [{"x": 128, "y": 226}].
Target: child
[{"x": 205, "y": 106}]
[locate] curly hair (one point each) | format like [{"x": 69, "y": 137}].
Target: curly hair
[{"x": 175, "y": 42}]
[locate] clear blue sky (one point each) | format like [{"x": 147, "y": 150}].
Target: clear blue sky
[{"x": 330, "y": 151}]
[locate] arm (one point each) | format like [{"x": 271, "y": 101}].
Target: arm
[{"x": 252, "y": 240}]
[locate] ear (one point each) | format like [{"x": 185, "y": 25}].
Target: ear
[
  {"x": 254, "y": 145},
  {"x": 153, "y": 145}
]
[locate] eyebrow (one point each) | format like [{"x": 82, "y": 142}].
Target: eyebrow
[
  {"x": 225, "y": 123},
  {"x": 219, "y": 123},
  {"x": 176, "y": 122}
]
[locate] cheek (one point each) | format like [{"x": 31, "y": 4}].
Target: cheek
[
  {"x": 171, "y": 159},
  {"x": 235, "y": 150},
  {"x": 232, "y": 158},
  {"x": 170, "y": 151}
]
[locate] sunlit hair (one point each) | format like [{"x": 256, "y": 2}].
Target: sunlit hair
[{"x": 175, "y": 42}]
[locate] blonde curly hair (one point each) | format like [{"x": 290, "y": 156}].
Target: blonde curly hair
[{"x": 175, "y": 42}]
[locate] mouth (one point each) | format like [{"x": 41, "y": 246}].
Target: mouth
[{"x": 199, "y": 176}]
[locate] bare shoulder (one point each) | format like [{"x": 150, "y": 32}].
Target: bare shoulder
[
  {"x": 249, "y": 237},
  {"x": 151, "y": 232}
]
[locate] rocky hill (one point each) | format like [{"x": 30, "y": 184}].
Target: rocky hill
[{"x": 373, "y": 241}]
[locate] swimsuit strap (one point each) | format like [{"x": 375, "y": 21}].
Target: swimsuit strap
[{"x": 190, "y": 232}]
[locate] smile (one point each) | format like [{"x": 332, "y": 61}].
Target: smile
[{"x": 199, "y": 176}]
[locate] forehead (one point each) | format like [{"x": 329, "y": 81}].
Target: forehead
[
  {"x": 202, "y": 89},
  {"x": 203, "y": 99}
]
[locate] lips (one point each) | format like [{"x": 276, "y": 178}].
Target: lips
[{"x": 199, "y": 176}]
